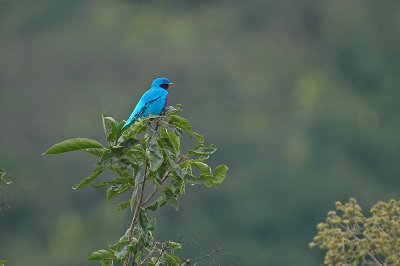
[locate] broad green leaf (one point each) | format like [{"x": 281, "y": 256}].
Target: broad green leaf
[
  {"x": 137, "y": 153},
  {"x": 110, "y": 128},
  {"x": 138, "y": 181},
  {"x": 166, "y": 143},
  {"x": 171, "y": 110},
  {"x": 203, "y": 151},
  {"x": 106, "y": 263},
  {"x": 203, "y": 167},
  {"x": 120, "y": 249},
  {"x": 171, "y": 197},
  {"x": 73, "y": 145},
  {"x": 162, "y": 170},
  {"x": 117, "y": 180},
  {"x": 172, "y": 260},
  {"x": 107, "y": 159},
  {"x": 129, "y": 143},
  {"x": 175, "y": 140},
  {"x": 96, "y": 151},
  {"x": 219, "y": 174},
  {"x": 112, "y": 191},
  {"x": 164, "y": 132},
  {"x": 152, "y": 206},
  {"x": 2, "y": 262},
  {"x": 154, "y": 154},
  {"x": 178, "y": 186},
  {"x": 123, "y": 205},
  {"x": 102, "y": 255},
  {"x": 96, "y": 172},
  {"x": 176, "y": 169},
  {"x": 138, "y": 126},
  {"x": 144, "y": 220},
  {"x": 180, "y": 122}
]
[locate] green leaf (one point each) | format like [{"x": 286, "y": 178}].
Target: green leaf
[
  {"x": 107, "y": 159},
  {"x": 144, "y": 220},
  {"x": 180, "y": 122},
  {"x": 175, "y": 140},
  {"x": 106, "y": 263},
  {"x": 129, "y": 143},
  {"x": 219, "y": 174},
  {"x": 73, "y": 145},
  {"x": 138, "y": 181},
  {"x": 2, "y": 179},
  {"x": 120, "y": 249},
  {"x": 138, "y": 126},
  {"x": 203, "y": 167},
  {"x": 166, "y": 143},
  {"x": 171, "y": 198},
  {"x": 96, "y": 151},
  {"x": 112, "y": 191},
  {"x": 203, "y": 151},
  {"x": 174, "y": 245},
  {"x": 102, "y": 255},
  {"x": 153, "y": 206},
  {"x": 154, "y": 154},
  {"x": 172, "y": 260},
  {"x": 176, "y": 169},
  {"x": 162, "y": 170},
  {"x": 171, "y": 110},
  {"x": 96, "y": 172},
  {"x": 110, "y": 127},
  {"x": 137, "y": 153},
  {"x": 2, "y": 262},
  {"x": 123, "y": 205},
  {"x": 183, "y": 123}
]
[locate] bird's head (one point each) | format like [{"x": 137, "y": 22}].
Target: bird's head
[{"x": 161, "y": 82}]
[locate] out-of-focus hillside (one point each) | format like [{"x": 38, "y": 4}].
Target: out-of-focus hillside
[{"x": 301, "y": 99}]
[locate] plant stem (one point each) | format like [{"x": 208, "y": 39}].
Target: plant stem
[
  {"x": 155, "y": 189},
  {"x": 136, "y": 214}
]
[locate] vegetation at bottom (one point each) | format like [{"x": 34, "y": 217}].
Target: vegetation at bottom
[
  {"x": 3, "y": 181},
  {"x": 354, "y": 239},
  {"x": 150, "y": 170}
]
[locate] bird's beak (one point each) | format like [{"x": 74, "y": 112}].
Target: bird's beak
[{"x": 170, "y": 83}]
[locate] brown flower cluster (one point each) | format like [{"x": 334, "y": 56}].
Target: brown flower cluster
[{"x": 353, "y": 239}]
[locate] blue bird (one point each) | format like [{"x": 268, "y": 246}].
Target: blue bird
[{"x": 153, "y": 101}]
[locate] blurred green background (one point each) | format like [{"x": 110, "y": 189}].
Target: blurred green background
[{"x": 301, "y": 98}]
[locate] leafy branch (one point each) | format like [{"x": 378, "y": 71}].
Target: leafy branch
[
  {"x": 4, "y": 181},
  {"x": 148, "y": 154},
  {"x": 352, "y": 238}
]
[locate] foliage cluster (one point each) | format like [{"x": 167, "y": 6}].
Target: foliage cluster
[
  {"x": 352, "y": 238},
  {"x": 147, "y": 161},
  {"x": 4, "y": 181}
]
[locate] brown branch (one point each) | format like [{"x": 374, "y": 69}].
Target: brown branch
[
  {"x": 150, "y": 253},
  {"x": 136, "y": 214}
]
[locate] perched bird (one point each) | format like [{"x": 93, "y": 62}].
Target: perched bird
[{"x": 153, "y": 101}]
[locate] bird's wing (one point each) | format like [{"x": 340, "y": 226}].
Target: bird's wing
[{"x": 147, "y": 99}]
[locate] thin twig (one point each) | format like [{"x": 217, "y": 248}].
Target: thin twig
[
  {"x": 214, "y": 251},
  {"x": 150, "y": 253},
  {"x": 162, "y": 251}
]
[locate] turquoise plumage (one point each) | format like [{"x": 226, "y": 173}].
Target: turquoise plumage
[{"x": 153, "y": 101}]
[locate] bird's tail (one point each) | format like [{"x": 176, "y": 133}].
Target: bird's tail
[
  {"x": 125, "y": 126},
  {"x": 128, "y": 123}
]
